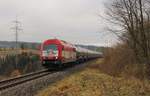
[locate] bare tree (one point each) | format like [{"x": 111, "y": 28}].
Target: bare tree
[{"x": 133, "y": 19}]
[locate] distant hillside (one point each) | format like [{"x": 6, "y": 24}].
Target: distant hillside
[
  {"x": 12, "y": 44},
  {"x": 33, "y": 45}
]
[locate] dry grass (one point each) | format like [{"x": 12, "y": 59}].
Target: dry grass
[
  {"x": 15, "y": 73},
  {"x": 19, "y": 51},
  {"x": 91, "y": 82}
]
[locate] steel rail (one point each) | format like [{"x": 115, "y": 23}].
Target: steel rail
[{"x": 4, "y": 84}]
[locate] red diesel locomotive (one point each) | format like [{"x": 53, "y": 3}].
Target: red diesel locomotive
[{"x": 58, "y": 52}]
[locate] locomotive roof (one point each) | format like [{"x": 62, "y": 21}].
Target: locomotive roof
[
  {"x": 66, "y": 44},
  {"x": 57, "y": 41}
]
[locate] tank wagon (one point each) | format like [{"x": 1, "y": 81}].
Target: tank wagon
[{"x": 55, "y": 52}]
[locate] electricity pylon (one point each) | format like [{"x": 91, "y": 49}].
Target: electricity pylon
[{"x": 17, "y": 29}]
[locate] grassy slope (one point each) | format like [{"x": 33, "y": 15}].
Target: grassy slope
[{"x": 91, "y": 82}]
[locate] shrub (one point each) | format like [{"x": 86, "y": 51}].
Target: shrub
[{"x": 120, "y": 60}]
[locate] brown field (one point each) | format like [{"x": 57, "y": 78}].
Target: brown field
[
  {"x": 4, "y": 53},
  {"x": 91, "y": 82}
]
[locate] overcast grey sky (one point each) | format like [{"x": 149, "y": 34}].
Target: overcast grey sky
[{"x": 76, "y": 21}]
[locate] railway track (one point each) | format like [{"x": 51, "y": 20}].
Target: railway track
[
  {"x": 12, "y": 82},
  {"x": 30, "y": 84},
  {"x": 4, "y": 84}
]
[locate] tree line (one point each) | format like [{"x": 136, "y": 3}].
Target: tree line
[{"x": 130, "y": 21}]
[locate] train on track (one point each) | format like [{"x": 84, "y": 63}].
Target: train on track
[{"x": 55, "y": 52}]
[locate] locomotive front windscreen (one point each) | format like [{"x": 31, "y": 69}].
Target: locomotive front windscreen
[
  {"x": 50, "y": 47},
  {"x": 50, "y": 50}
]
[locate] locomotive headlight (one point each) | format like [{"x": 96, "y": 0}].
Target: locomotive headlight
[
  {"x": 56, "y": 57},
  {"x": 44, "y": 53}
]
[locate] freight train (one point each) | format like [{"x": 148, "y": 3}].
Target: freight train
[{"x": 55, "y": 52}]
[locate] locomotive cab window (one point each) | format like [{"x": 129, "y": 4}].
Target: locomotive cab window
[{"x": 50, "y": 47}]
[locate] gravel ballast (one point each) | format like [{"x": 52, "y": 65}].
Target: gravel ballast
[{"x": 31, "y": 87}]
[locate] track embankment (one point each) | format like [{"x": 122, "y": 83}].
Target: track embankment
[
  {"x": 29, "y": 86},
  {"x": 5, "y": 84},
  {"x": 92, "y": 82}
]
